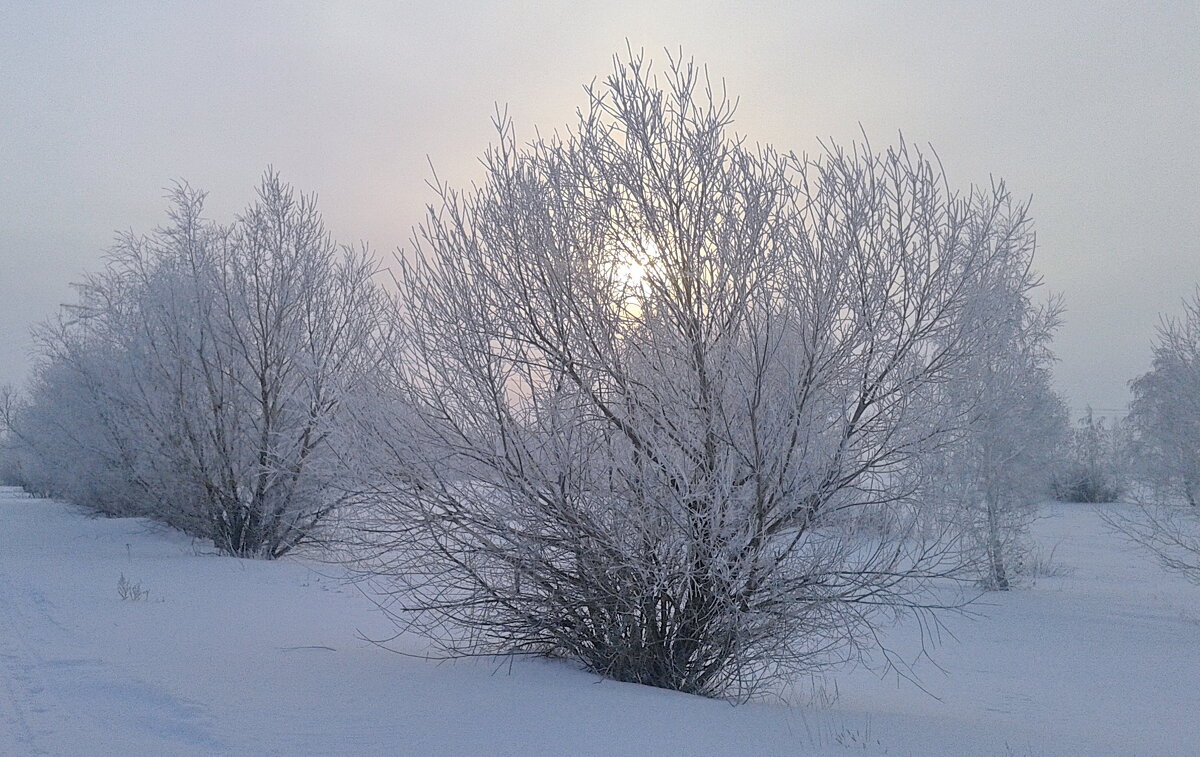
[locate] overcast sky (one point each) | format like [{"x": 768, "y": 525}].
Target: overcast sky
[{"x": 1091, "y": 109}]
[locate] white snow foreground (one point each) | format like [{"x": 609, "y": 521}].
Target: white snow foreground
[{"x": 228, "y": 656}]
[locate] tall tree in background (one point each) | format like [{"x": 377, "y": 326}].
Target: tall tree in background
[
  {"x": 1165, "y": 420},
  {"x": 1165, "y": 412},
  {"x": 1014, "y": 426}
]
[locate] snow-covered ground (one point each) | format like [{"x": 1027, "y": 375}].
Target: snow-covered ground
[{"x": 231, "y": 656}]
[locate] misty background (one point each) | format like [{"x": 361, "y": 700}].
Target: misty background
[{"x": 1091, "y": 109}]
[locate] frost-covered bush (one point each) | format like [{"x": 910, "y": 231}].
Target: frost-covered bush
[
  {"x": 1092, "y": 468},
  {"x": 668, "y": 398},
  {"x": 67, "y": 439},
  {"x": 200, "y": 374},
  {"x": 10, "y": 466}
]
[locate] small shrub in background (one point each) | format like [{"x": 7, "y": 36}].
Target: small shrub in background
[{"x": 1091, "y": 472}]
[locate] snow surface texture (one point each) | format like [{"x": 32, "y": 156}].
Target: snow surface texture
[{"x": 228, "y": 656}]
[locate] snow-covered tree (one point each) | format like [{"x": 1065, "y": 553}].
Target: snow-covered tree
[
  {"x": 666, "y": 399},
  {"x": 202, "y": 372},
  {"x": 1165, "y": 421},
  {"x": 1014, "y": 427},
  {"x": 65, "y": 441},
  {"x": 10, "y": 465},
  {"x": 1165, "y": 413}
]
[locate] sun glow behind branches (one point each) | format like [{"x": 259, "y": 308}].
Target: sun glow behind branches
[
  {"x": 630, "y": 274},
  {"x": 632, "y": 269}
]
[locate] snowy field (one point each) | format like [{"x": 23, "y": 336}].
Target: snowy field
[{"x": 229, "y": 656}]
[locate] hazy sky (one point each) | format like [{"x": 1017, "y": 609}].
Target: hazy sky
[{"x": 1092, "y": 109}]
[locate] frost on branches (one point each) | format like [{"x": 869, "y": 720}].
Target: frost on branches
[
  {"x": 1000, "y": 465},
  {"x": 1165, "y": 421},
  {"x": 201, "y": 373},
  {"x": 668, "y": 398}
]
